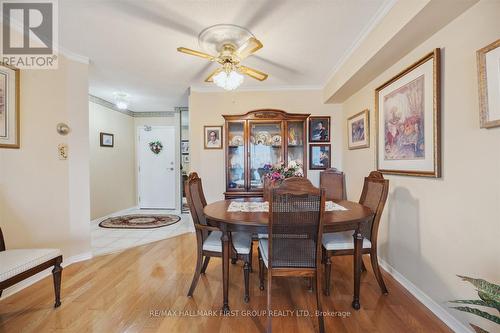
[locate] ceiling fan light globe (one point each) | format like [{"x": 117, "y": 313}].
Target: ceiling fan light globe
[{"x": 228, "y": 81}]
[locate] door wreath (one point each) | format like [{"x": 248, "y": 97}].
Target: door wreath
[{"x": 156, "y": 147}]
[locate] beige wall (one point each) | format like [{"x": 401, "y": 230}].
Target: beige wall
[
  {"x": 112, "y": 170},
  {"x": 207, "y": 108},
  {"x": 44, "y": 201},
  {"x": 433, "y": 229}
]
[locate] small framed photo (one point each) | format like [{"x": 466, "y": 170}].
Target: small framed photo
[
  {"x": 213, "y": 137},
  {"x": 9, "y": 107},
  {"x": 185, "y": 159},
  {"x": 319, "y": 156},
  {"x": 319, "y": 129},
  {"x": 107, "y": 139},
  {"x": 488, "y": 72},
  {"x": 185, "y": 146},
  {"x": 358, "y": 130}
]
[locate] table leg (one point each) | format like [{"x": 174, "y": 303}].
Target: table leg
[
  {"x": 225, "y": 267},
  {"x": 358, "y": 247}
]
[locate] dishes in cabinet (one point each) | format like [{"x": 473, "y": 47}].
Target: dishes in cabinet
[
  {"x": 237, "y": 140},
  {"x": 263, "y": 138},
  {"x": 276, "y": 140}
]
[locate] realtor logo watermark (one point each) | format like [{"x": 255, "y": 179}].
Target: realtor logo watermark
[{"x": 29, "y": 33}]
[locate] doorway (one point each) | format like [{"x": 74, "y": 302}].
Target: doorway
[{"x": 156, "y": 167}]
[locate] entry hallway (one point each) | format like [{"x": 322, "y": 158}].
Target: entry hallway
[{"x": 135, "y": 290}]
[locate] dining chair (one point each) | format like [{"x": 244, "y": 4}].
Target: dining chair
[
  {"x": 208, "y": 237},
  {"x": 333, "y": 181},
  {"x": 293, "y": 246},
  {"x": 374, "y": 196}
]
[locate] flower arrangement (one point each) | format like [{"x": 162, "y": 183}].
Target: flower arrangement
[{"x": 280, "y": 171}]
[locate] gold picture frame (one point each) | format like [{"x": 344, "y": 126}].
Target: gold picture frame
[
  {"x": 10, "y": 124},
  {"x": 214, "y": 142},
  {"x": 426, "y": 159},
  {"x": 363, "y": 133},
  {"x": 485, "y": 114}
]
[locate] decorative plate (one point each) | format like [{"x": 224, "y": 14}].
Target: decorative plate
[
  {"x": 276, "y": 140},
  {"x": 263, "y": 138},
  {"x": 237, "y": 140}
]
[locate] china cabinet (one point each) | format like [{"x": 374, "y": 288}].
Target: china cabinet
[{"x": 257, "y": 139}]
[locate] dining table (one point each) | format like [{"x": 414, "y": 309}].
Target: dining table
[{"x": 355, "y": 217}]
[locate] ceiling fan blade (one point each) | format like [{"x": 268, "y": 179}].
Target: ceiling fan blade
[
  {"x": 258, "y": 75},
  {"x": 211, "y": 76},
  {"x": 252, "y": 45},
  {"x": 196, "y": 53}
]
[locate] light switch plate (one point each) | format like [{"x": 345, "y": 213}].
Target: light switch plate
[{"x": 62, "y": 150}]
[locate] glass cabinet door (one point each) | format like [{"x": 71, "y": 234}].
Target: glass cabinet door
[
  {"x": 295, "y": 141},
  {"x": 236, "y": 156},
  {"x": 265, "y": 148}
]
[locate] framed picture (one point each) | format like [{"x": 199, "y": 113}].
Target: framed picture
[
  {"x": 408, "y": 120},
  {"x": 185, "y": 159},
  {"x": 9, "y": 107},
  {"x": 488, "y": 73},
  {"x": 319, "y": 156},
  {"x": 358, "y": 130},
  {"x": 319, "y": 129},
  {"x": 185, "y": 146},
  {"x": 107, "y": 139},
  {"x": 213, "y": 137}
]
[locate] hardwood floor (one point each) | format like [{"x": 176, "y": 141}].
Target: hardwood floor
[{"x": 134, "y": 290}]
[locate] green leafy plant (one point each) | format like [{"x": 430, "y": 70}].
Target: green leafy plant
[{"x": 489, "y": 294}]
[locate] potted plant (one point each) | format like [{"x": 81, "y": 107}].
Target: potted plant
[{"x": 489, "y": 294}]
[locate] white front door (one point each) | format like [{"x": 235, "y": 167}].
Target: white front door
[{"x": 156, "y": 169}]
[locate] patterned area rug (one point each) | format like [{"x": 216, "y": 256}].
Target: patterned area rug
[{"x": 137, "y": 221}]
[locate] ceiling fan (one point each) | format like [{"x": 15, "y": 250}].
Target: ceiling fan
[{"x": 232, "y": 44}]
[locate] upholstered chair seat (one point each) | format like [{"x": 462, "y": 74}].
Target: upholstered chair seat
[
  {"x": 15, "y": 262},
  {"x": 242, "y": 242},
  {"x": 342, "y": 241}
]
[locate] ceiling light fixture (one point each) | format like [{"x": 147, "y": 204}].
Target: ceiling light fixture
[
  {"x": 121, "y": 100},
  {"x": 229, "y": 78}
]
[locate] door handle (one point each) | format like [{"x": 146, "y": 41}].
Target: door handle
[{"x": 171, "y": 169}]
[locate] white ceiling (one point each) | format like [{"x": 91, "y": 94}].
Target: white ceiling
[{"x": 132, "y": 44}]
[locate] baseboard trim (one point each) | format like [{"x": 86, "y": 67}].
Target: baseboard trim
[
  {"x": 39, "y": 276},
  {"x": 120, "y": 212},
  {"x": 450, "y": 321}
]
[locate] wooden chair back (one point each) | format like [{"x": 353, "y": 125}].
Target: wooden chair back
[
  {"x": 333, "y": 181},
  {"x": 196, "y": 202},
  {"x": 374, "y": 196},
  {"x": 295, "y": 225},
  {"x": 2, "y": 242}
]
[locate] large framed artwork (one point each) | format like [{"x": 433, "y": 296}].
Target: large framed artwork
[
  {"x": 358, "y": 130},
  {"x": 212, "y": 137},
  {"x": 488, "y": 72},
  {"x": 319, "y": 156},
  {"x": 9, "y": 107},
  {"x": 319, "y": 129},
  {"x": 408, "y": 120}
]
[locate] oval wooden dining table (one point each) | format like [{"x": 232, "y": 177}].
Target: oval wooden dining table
[{"x": 357, "y": 218}]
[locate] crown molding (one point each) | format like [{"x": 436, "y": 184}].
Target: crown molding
[
  {"x": 135, "y": 114},
  {"x": 212, "y": 88},
  {"x": 73, "y": 56},
  {"x": 379, "y": 15}
]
